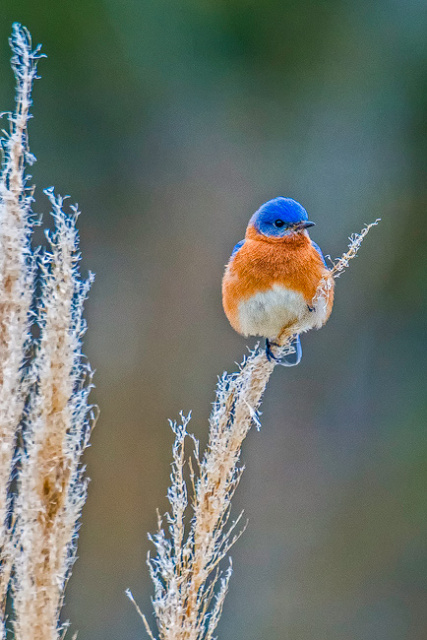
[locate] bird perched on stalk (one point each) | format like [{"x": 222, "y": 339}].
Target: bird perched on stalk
[{"x": 276, "y": 283}]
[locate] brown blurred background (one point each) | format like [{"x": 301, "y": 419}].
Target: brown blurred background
[{"x": 170, "y": 123}]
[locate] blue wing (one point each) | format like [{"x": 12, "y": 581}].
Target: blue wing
[
  {"x": 238, "y": 246},
  {"x": 319, "y": 251}
]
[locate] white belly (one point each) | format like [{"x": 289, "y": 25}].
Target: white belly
[{"x": 268, "y": 313}]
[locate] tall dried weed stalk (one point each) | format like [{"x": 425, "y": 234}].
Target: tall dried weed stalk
[
  {"x": 189, "y": 584},
  {"x": 45, "y": 417}
]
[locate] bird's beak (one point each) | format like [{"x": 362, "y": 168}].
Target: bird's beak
[{"x": 304, "y": 225}]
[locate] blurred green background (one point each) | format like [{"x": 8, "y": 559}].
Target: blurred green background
[{"x": 170, "y": 123}]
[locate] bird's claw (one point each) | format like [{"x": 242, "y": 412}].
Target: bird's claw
[
  {"x": 268, "y": 352},
  {"x": 296, "y": 343}
]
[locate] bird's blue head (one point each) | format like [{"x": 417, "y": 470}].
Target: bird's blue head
[{"x": 280, "y": 217}]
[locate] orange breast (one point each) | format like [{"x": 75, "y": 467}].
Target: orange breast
[{"x": 261, "y": 262}]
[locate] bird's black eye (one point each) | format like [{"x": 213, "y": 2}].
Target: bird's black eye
[{"x": 279, "y": 223}]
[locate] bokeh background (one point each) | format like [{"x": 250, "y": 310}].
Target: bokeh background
[{"x": 170, "y": 123}]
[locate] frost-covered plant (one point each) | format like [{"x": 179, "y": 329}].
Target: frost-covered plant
[
  {"x": 189, "y": 585},
  {"x": 44, "y": 385}
]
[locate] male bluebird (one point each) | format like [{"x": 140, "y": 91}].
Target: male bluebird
[{"x": 270, "y": 284}]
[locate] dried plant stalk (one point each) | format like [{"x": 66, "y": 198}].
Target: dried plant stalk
[
  {"x": 356, "y": 240},
  {"x": 339, "y": 265},
  {"x": 189, "y": 586},
  {"x": 51, "y": 489},
  {"x": 16, "y": 281},
  {"x": 44, "y": 385}
]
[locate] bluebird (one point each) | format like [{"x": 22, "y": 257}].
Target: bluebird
[{"x": 270, "y": 285}]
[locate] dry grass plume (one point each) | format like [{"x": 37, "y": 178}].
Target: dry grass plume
[
  {"x": 45, "y": 415},
  {"x": 189, "y": 584}
]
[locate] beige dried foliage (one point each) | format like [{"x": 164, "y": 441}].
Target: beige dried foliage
[
  {"x": 44, "y": 386},
  {"x": 51, "y": 489},
  {"x": 16, "y": 282},
  {"x": 356, "y": 240},
  {"x": 339, "y": 265},
  {"x": 189, "y": 584}
]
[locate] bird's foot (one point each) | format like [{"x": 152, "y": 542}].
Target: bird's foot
[
  {"x": 268, "y": 352},
  {"x": 284, "y": 361}
]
